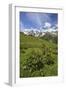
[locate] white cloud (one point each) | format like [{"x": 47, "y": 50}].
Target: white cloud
[
  {"x": 47, "y": 25},
  {"x": 55, "y": 26}
]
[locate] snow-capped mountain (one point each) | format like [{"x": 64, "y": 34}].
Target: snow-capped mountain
[{"x": 40, "y": 32}]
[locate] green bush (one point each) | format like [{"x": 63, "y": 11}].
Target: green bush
[
  {"x": 22, "y": 51},
  {"x": 34, "y": 62},
  {"x": 49, "y": 59}
]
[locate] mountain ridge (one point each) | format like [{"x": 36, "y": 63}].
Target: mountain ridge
[{"x": 40, "y": 33}]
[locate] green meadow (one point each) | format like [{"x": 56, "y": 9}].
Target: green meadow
[{"x": 38, "y": 56}]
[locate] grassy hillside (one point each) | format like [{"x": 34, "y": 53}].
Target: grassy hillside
[{"x": 38, "y": 57}]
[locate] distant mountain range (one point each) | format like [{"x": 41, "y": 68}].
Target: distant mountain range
[{"x": 40, "y": 33}]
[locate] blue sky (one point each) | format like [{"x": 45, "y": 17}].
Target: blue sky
[{"x": 36, "y": 20}]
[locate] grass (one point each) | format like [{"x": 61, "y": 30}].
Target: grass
[{"x": 38, "y": 57}]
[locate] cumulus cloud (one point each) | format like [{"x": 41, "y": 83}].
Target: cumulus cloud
[
  {"x": 47, "y": 25},
  {"x": 55, "y": 26}
]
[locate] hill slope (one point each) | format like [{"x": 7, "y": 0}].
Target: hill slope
[{"x": 38, "y": 57}]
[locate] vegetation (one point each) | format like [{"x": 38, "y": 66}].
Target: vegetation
[{"x": 38, "y": 56}]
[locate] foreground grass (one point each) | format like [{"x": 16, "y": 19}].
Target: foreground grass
[{"x": 38, "y": 57}]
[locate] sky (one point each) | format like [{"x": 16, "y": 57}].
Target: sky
[{"x": 39, "y": 21}]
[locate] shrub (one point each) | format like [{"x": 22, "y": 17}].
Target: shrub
[
  {"x": 49, "y": 59},
  {"x": 50, "y": 62},
  {"x": 22, "y": 51},
  {"x": 34, "y": 62}
]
